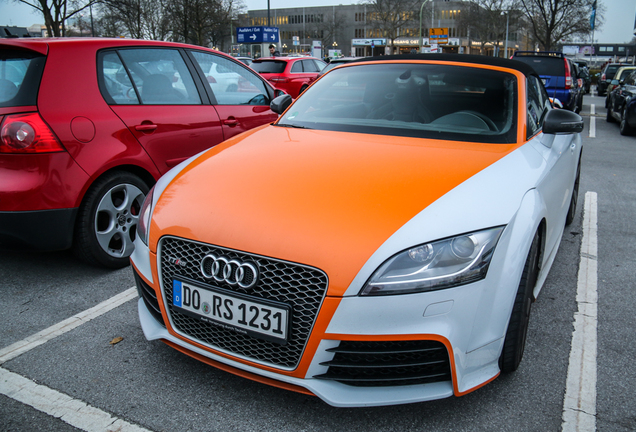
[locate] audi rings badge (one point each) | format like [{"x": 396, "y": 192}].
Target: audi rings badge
[{"x": 232, "y": 272}]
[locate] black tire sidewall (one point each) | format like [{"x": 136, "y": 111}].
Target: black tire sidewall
[{"x": 515, "y": 340}]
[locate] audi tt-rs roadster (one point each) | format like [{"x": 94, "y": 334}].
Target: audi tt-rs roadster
[{"x": 381, "y": 243}]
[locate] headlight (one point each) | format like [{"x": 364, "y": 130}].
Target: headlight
[
  {"x": 144, "y": 217},
  {"x": 437, "y": 265}
]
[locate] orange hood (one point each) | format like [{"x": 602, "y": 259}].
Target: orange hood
[{"x": 324, "y": 199}]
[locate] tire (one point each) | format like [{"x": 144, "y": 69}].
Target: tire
[
  {"x": 302, "y": 89},
  {"x": 609, "y": 117},
  {"x": 106, "y": 225},
  {"x": 515, "y": 341},
  {"x": 625, "y": 129},
  {"x": 575, "y": 197},
  {"x": 579, "y": 107}
]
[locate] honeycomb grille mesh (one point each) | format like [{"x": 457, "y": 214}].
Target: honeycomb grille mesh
[{"x": 301, "y": 287}]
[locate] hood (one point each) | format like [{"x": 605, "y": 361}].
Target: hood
[{"x": 320, "y": 198}]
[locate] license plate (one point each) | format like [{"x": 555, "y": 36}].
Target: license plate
[{"x": 259, "y": 318}]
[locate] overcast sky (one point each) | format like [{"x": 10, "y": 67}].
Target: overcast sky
[{"x": 618, "y": 27}]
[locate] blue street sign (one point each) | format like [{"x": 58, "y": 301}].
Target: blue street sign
[{"x": 258, "y": 34}]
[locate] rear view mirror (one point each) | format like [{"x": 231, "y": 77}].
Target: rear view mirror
[
  {"x": 559, "y": 121},
  {"x": 280, "y": 103}
]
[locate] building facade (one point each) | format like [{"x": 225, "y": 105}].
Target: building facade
[{"x": 352, "y": 30}]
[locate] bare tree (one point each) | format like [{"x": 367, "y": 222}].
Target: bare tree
[
  {"x": 554, "y": 20},
  {"x": 56, "y": 12},
  {"x": 225, "y": 19},
  {"x": 141, "y": 19},
  {"x": 329, "y": 29},
  {"x": 486, "y": 20},
  {"x": 390, "y": 16}
]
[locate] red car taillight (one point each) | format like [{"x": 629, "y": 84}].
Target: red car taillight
[
  {"x": 603, "y": 77},
  {"x": 27, "y": 133},
  {"x": 568, "y": 75}
]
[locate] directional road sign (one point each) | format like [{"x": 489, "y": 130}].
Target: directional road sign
[{"x": 258, "y": 34}]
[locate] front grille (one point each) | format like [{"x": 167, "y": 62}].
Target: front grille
[
  {"x": 301, "y": 287},
  {"x": 389, "y": 363}
]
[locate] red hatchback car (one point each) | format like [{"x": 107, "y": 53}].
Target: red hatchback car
[
  {"x": 290, "y": 74},
  {"x": 88, "y": 125}
]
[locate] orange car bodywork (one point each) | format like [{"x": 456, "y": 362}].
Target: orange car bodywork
[{"x": 316, "y": 216}]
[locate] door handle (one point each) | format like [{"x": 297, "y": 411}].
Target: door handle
[
  {"x": 230, "y": 121},
  {"x": 146, "y": 127}
]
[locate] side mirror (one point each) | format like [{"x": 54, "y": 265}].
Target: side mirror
[
  {"x": 559, "y": 121},
  {"x": 280, "y": 103}
]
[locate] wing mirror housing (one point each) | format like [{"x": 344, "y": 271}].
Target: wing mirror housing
[
  {"x": 280, "y": 103},
  {"x": 560, "y": 121}
]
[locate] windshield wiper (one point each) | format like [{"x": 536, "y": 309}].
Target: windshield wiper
[{"x": 292, "y": 125}]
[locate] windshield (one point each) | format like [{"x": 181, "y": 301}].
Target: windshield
[{"x": 415, "y": 100}]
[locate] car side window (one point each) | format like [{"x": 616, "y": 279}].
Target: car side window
[
  {"x": 115, "y": 81},
  {"x": 231, "y": 83},
  {"x": 297, "y": 67},
  {"x": 160, "y": 76},
  {"x": 310, "y": 66},
  {"x": 631, "y": 79},
  {"x": 537, "y": 107},
  {"x": 320, "y": 64}
]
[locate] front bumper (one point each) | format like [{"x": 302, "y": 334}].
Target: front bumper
[
  {"x": 333, "y": 393},
  {"x": 420, "y": 319}
]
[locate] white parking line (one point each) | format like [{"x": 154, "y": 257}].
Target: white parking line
[
  {"x": 579, "y": 404},
  {"x": 72, "y": 411},
  {"x": 592, "y": 121},
  {"x": 54, "y": 331}
]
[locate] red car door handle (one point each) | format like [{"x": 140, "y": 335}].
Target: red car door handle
[
  {"x": 231, "y": 122},
  {"x": 146, "y": 127}
]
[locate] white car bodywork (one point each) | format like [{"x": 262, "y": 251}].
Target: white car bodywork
[{"x": 528, "y": 192}]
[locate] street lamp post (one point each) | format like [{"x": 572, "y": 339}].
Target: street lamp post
[
  {"x": 421, "y": 9},
  {"x": 506, "y": 44}
]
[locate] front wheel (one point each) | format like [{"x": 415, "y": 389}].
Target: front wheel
[
  {"x": 575, "y": 197},
  {"x": 515, "y": 341},
  {"x": 609, "y": 117},
  {"x": 107, "y": 221},
  {"x": 624, "y": 127}
]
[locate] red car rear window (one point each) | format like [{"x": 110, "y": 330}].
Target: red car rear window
[
  {"x": 20, "y": 75},
  {"x": 269, "y": 66}
]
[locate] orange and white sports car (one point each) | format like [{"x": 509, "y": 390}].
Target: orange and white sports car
[{"x": 380, "y": 243}]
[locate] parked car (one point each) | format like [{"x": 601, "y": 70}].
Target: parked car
[
  {"x": 607, "y": 74},
  {"x": 380, "y": 243},
  {"x": 290, "y": 74},
  {"x": 79, "y": 151},
  {"x": 622, "y": 73},
  {"x": 621, "y": 106},
  {"x": 557, "y": 75},
  {"x": 245, "y": 60},
  {"x": 585, "y": 74},
  {"x": 337, "y": 62}
]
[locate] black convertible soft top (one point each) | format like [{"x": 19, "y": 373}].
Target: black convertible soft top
[{"x": 461, "y": 58}]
